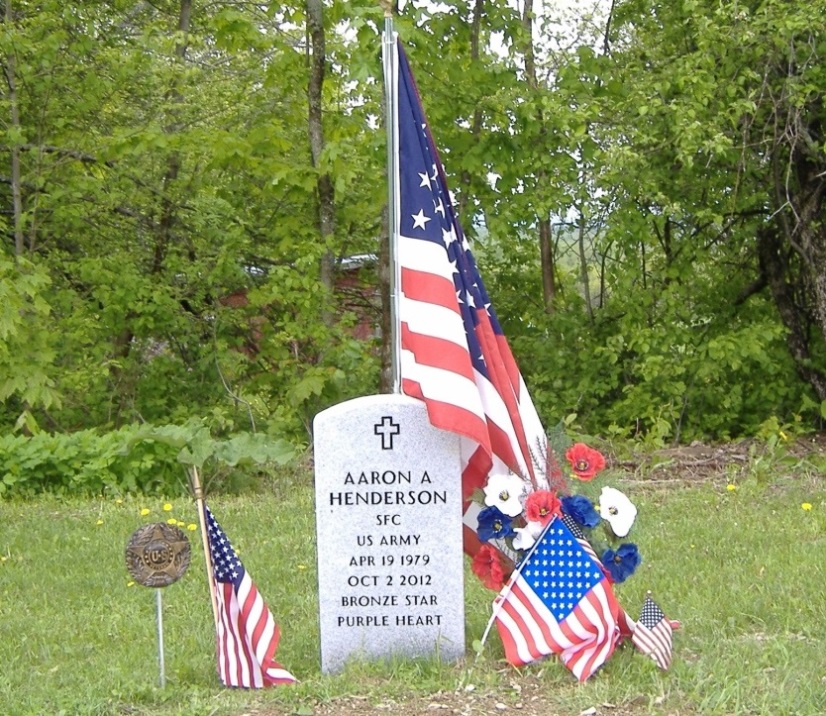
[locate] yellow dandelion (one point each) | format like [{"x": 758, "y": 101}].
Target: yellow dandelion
[
  {"x": 806, "y": 506},
  {"x": 178, "y": 523},
  {"x": 192, "y": 527},
  {"x": 167, "y": 507},
  {"x": 130, "y": 584},
  {"x": 302, "y": 566},
  {"x": 144, "y": 512},
  {"x": 731, "y": 488},
  {"x": 99, "y": 522},
  {"x": 172, "y": 521}
]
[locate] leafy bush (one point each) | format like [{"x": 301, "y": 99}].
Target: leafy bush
[{"x": 135, "y": 459}]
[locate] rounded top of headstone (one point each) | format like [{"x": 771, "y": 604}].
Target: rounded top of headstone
[{"x": 157, "y": 555}]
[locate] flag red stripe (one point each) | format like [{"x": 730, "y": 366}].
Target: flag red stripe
[
  {"x": 446, "y": 416},
  {"x": 475, "y": 474},
  {"x": 590, "y": 656},
  {"x": 509, "y": 363},
  {"x": 655, "y": 642},
  {"x": 505, "y": 387},
  {"x": 436, "y": 352},
  {"x": 429, "y": 288}
]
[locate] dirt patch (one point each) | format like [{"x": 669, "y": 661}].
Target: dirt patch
[
  {"x": 526, "y": 696},
  {"x": 703, "y": 462}
]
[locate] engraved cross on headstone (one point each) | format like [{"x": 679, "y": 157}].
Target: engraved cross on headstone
[{"x": 387, "y": 429}]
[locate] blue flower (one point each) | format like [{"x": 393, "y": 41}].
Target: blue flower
[
  {"x": 494, "y": 524},
  {"x": 622, "y": 563},
  {"x": 581, "y": 510}
]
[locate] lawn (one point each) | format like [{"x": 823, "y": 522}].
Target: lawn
[{"x": 733, "y": 551}]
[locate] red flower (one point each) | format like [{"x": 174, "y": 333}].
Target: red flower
[
  {"x": 585, "y": 461},
  {"x": 488, "y": 568},
  {"x": 542, "y": 506}
]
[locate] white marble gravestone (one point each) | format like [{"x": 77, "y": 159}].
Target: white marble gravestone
[{"x": 389, "y": 528}]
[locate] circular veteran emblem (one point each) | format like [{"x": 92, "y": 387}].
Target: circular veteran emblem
[{"x": 157, "y": 555}]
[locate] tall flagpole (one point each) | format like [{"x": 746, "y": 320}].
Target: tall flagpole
[{"x": 390, "y": 61}]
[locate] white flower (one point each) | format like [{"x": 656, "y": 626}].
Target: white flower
[
  {"x": 505, "y": 492},
  {"x": 526, "y": 536},
  {"x": 616, "y": 509}
]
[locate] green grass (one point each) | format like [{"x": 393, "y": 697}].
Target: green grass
[{"x": 743, "y": 570}]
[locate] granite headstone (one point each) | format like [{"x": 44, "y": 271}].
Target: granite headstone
[{"x": 389, "y": 529}]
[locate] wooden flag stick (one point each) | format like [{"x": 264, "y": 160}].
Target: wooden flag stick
[{"x": 195, "y": 482}]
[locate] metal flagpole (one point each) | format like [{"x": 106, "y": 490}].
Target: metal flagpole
[
  {"x": 390, "y": 62},
  {"x": 195, "y": 481},
  {"x": 159, "y": 604}
]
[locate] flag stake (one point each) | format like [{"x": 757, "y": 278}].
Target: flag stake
[
  {"x": 391, "y": 112},
  {"x": 159, "y": 605},
  {"x": 195, "y": 482}
]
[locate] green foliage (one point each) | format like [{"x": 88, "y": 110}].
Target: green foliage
[
  {"x": 172, "y": 248},
  {"x": 142, "y": 459},
  {"x": 26, "y": 340}
]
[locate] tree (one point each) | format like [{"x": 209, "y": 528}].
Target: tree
[{"x": 737, "y": 86}]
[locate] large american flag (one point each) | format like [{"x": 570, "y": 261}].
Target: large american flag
[
  {"x": 454, "y": 355},
  {"x": 246, "y": 631},
  {"x": 558, "y": 602}
]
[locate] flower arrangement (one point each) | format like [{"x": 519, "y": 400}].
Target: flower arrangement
[{"x": 514, "y": 512}]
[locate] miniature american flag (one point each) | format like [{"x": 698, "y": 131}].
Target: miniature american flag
[
  {"x": 246, "y": 631},
  {"x": 653, "y": 634},
  {"x": 558, "y": 602}
]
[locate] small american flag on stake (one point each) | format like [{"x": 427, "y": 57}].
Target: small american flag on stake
[
  {"x": 625, "y": 623},
  {"x": 652, "y": 635},
  {"x": 454, "y": 355},
  {"x": 247, "y": 634},
  {"x": 558, "y": 602}
]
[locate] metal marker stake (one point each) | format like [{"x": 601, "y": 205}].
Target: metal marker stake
[{"x": 159, "y": 602}]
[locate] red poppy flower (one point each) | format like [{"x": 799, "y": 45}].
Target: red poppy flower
[
  {"x": 585, "y": 461},
  {"x": 488, "y": 568},
  {"x": 542, "y": 506}
]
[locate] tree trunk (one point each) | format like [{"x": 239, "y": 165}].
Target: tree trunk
[
  {"x": 476, "y": 125},
  {"x": 546, "y": 255},
  {"x": 583, "y": 266},
  {"x": 546, "y": 247},
  {"x": 169, "y": 208},
  {"x": 324, "y": 184},
  {"x": 774, "y": 266},
  {"x": 17, "y": 194}
]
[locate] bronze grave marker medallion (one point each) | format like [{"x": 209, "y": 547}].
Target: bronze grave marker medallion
[{"x": 157, "y": 555}]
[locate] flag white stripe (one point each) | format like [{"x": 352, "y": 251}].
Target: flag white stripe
[
  {"x": 518, "y": 636},
  {"x": 267, "y": 634},
  {"x": 426, "y": 257},
  {"x": 435, "y": 381},
  {"x": 248, "y": 604},
  {"x": 433, "y": 320},
  {"x": 238, "y": 640}
]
